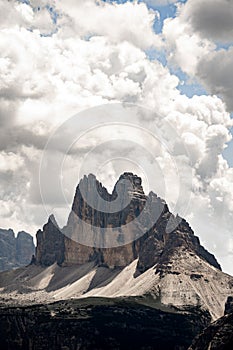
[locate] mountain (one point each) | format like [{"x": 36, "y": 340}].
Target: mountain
[
  {"x": 15, "y": 251},
  {"x": 122, "y": 230},
  {"x": 154, "y": 255},
  {"x": 123, "y": 273},
  {"x": 145, "y": 258}
]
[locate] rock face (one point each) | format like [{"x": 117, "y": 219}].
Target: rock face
[
  {"x": 50, "y": 244},
  {"x": 15, "y": 251},
  {"x": 115, "y": 229}
]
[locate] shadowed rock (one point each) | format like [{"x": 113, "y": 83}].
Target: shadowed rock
[{"x": 15, "y": 251}]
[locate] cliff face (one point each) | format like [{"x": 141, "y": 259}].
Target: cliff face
[
  {"x": 115, "y": 229},
  {"x": 50, "y": 244},
  {"x": 103, "y": 223},
  {"x": 15, "y": 251}
]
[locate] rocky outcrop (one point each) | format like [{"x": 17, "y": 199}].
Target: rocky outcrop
[
  {"x": 15, "y": 251},
  {"x": 50, "y": 244},
  {"x": 115, "y": 229}
]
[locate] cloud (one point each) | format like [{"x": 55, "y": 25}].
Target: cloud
[
  {"x": 212, "y": 19},
  {"x": 215, "y": 73},
  {"x": 216, "y": 138},
  {"x": 10, "y": 162},
  {"x": 96, "y": 55},
  {"x": 191, "y": 42},
  {"x": 185, "y": 47},
  {"x": 31, "y": 16},
  {"x": 111, "y": 20},
  {"x": 203, "y": 127}
]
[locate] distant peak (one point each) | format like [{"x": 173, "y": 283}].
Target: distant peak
[
  {"x": 89, "y": 177},
  {"x": 52, "y": 220},
  {"x": 23, "y": 234}
]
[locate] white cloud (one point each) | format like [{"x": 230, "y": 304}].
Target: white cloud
[
  {"x": 15, "y": 14},
  {"x": 114, "y": 21},
  {"x": 10, "y": 162},
  {"x": 25, "y": 11}
]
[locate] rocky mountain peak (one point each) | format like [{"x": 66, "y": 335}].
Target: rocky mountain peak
[
  {"x": 150, "y": 240},
  {"x": 129, "y": 186},
  {"x": 52, "y": 221}
]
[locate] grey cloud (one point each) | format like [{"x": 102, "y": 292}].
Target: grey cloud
[
  {"x": 11, "y": 138},
  {"x": 15, "y": 93},
  {"x": 217, "y": 136},
  {"x": 216, "y": 74},
  {"x": 7, "y": 112},
  {"x": 213, "y": 19}
]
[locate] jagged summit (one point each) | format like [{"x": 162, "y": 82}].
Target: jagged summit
[
  {"x": 127, "y": 187},
  {"x": 130, "y": 183},
  {"x": 52, "y": 220}
]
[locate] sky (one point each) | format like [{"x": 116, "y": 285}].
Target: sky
[{"x": 159, "y": 71}]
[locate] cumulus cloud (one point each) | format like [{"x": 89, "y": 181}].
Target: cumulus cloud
[
  {"x": 110, "y": 20},
  {"x": 20, "y": 14}
]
